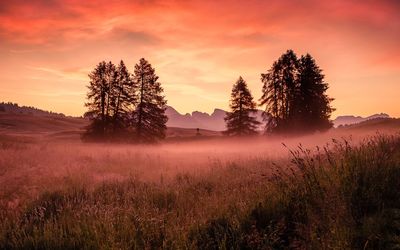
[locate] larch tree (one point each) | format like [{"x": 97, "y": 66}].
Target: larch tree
[
  {"x": 279, "y": 93},
  {"x": 124, "y": 98},
  {"x": 314, "y": 103},
  {"x": 240, "y": 121},
  {"x": 149, "y": 117},
  {"x": 110, "y": 78},
  {"x": 111, "y": 99},
  {"x": 96, "y": 104},
  {"x": 294, "y": 96}
]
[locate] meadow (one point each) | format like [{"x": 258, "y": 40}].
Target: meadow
[{"x": 337, "y": 190}]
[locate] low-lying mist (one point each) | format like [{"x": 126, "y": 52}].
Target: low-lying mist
[
  {"x": 29, "y": 168},
  {"x": 215, "y": 193}
]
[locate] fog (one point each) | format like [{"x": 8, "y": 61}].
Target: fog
[{"x": 29, "y": 168}]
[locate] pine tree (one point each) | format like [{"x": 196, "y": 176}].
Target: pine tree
[
  {"x": 294, "y": 95},
  {"x": 239, "y": 121},
  {"x": 124, "y": 98},
  {"x": 110, "y": 78},
  {"x": 111, "y": 99},
  {"x": 314, "y": 103},
  {"x": 149, "y": 118},
  {"x": 279, "y": 93},
  {"x": 97, "y": 100}
]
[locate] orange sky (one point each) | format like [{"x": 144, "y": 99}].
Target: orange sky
[{"x": 199, "y": 48}]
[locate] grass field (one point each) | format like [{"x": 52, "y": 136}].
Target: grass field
[{"x": 202, "y": 194}]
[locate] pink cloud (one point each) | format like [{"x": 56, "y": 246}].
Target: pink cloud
[{"x": 218, "y": 40}]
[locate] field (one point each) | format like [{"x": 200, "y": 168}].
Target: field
[{"x": 335, "y": 190}]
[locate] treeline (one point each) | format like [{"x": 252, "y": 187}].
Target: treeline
[
  {"x": 10, "y": 107},
  {"x": 293, "y": 97},
  {"x": 132, "y": 106},
  {"x": 125, "y": 106}
]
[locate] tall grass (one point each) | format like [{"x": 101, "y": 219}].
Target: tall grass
[{"x": 342, "y": 196}]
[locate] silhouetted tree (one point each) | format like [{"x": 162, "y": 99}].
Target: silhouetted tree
[
  {"x": 124, "y": 98},
  {"x": 149, "y": 118},
  {"x": 111, "y": 82},
  {"x": 240, "y": 121},
  {"x": 279, "y": 93},
  {"x": 294, "y": 95},
  {"x": 313, "y": 102},
  {"x": 96, "y": 104},
  {"x": 111, "y": 99}
]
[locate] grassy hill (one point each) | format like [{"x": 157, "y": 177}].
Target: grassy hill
[
  {"x": 50, "y": 126},
  {"x": 28, "y": 121},
  {"x": 378, "y": 124},
  {"x": 64, "y": 127},
  {"x": 19, "y": 123}
]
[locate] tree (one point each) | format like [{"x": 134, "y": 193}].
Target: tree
[
  {"x": 121, "y": 105},
  {"x": 124, "y": 98},
  {"x": 97, "y": 100},
  {"x": 294, "y": 95},
  {"x": 149, "y": 118},
  {"x": 314, "y": 103},
  {"x": 111, "y": 98},
  {"x": 239, "y": 121},
  {"x": 279, "y": 93}
]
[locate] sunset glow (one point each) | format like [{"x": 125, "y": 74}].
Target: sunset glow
[{"x": 199, "y": 48}]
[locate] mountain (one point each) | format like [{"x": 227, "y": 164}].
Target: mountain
[
  {"x": 197, "y": 119},
  {"x": 214, "y": 121},
  {"x": 350, "y": 119}
]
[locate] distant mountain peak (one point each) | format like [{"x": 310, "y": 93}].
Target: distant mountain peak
[
  {"x": 215, "y": 121},
  {"x": 198, "y": 119},
  {"x": 351, "y": 119}
]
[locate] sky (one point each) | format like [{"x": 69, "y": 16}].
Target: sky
[{"x": 199, "y": 48}]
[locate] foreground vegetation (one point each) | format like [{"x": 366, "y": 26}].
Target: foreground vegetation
[{"x": 343, "y": 196}]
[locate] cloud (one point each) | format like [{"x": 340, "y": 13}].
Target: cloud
[
  {"x": 190, "y": 90},
  {"x": 134, "y": 37},
  {"x": 198, "y": 47},
  {"x": 77, "y": 74}
]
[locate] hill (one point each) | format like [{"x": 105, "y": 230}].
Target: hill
[
  {"x": 14, "y": 108},
  {"x": 377, "y": 124},
  {"x": 42, "y": 125},
  {"x": 29, "y": 121},
  {"x": 15, "y": 119}
]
